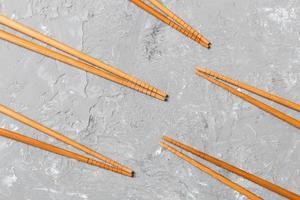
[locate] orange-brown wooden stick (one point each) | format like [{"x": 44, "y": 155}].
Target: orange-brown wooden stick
[
  {"x": 10, "y": 113},
  {"x": 266, "y": 184},
  {"x": 76, "y": 63},
  {"x": 67, "y": 49},
  {"x": 59, "y": 151},
  {"x": 252, "y": 89},
  {"x": 253, "y": 101},
  {"x": 169, "y": 22},
  {"x": 212, "y": 173},
  {"x": 178, "y": 20}
]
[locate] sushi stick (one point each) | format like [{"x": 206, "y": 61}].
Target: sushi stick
[
  {"x": 169, "y": 22},
  {"x": 47, "y": 147},
  {"x": 251, "y": 89},
  {"x": 23, "y": 119},
  {"x": 253, "y": 101},
  {"x": 212, "y": 173},
  {"x": 73, "y": 62},
  {"x": 266, "y": 184},
  {"x": 178, "y": 20},
  {"x": 84, "y": 57}
]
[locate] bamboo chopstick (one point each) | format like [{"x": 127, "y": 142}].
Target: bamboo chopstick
[
  {"x": 47, "y": 147},
  {"x": 212, "y": 173},
  {"x": 266, "y": 184},
  {"x": 253, "y": 101},
  {"x": 21, "y": 118},
  {"x": 76, "y": 63},
  {"x": 169, "y": 22},
  {"x": 178, "y": 20},
  {"x": 69, "y": 50},
  {"x": 249, "y": 88}
]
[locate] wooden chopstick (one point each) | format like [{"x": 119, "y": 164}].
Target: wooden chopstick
[
  {"x": 178, "y": 20},
  {"x": 253, "y": 101},
  {"x": 47, "y": 147},
  {"x": 73, "y": 62},
  {"x": 252, "y": 89},
  {"x": 169, "y": 22},
  {"x": 212, "y": 173},
  {"x": 270, "y": 186},
  {"x": 71, "y": 51},
  {"x": 21, "y": 118}
]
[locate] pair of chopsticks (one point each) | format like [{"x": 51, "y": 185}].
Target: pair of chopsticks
[
  {"x": 83, "y": 61},
  {"x": 266, "y": 184},
  {"x": 220, "y": 80},
  {"x": 171, "y": 19},
  {"x": 107, "y": 164}
]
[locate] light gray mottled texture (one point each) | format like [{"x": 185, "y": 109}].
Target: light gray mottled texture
[{"x": 254, "y": 41}]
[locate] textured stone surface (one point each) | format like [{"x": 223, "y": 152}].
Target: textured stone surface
[{"x": 254, "y": 41}]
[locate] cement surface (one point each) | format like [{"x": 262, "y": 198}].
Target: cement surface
[{"x": 254, "y": 41}]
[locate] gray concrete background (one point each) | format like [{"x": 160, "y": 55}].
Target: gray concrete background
[{"x": 254, "y": 41}]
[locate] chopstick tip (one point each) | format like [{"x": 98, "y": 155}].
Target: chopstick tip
[
  {"x": 128, "y": 174},
  {"x": 165, "y": 99},
  {"x": 162, "y": 98},
  {"x": 166, "y": 139},
  {"x": 164, "y": 145},
  {"x": 132, "y": 174}
]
